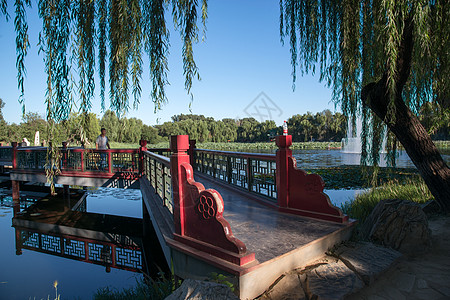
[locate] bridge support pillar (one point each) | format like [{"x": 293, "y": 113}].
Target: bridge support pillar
[
  {"x": 15, "y": 190},
  {"x": 66, "y": 193}
]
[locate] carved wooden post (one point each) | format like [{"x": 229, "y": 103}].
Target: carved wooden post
[
  {"x": 191, "y": 152},
  {"x": 282, "y": 158},
  {"x": 179, "y": 144}
]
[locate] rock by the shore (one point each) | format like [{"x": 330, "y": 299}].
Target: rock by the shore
[
  {"x": 399, "y": 224},
  {"x": 332, "y": 281},
  {"x": 202, "y": 290},
  {"x": 368, "y": 260}
]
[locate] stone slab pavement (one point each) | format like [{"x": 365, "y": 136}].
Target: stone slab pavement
[{"x": 365, "y": 271}]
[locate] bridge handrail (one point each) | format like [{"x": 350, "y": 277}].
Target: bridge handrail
[
  {"x": 6, "y": 153},
  {"x": 263, "y": 156},
  {"x": 254, "y": 172},
  {"x": 77, "y": 159},
  {"x": 156, "y": 169}
]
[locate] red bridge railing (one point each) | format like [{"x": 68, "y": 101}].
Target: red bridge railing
[
  {"x": 276, "y": 177},
  {"x": 254, "y": 172}
]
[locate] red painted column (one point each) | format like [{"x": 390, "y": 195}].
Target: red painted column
[
  {"x": 14, "y": 155},
  {"x": 64, "y": 149},
  {"x": 179, "y": 144},
  {"x": 110, "y": 166},
  {"x": 191, "y": 152},
  {"x": 143, "y": 147},
  {"x": 282, "y": 156}
]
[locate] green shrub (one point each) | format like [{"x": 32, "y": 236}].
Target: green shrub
[{"x": 413, "y": 190}]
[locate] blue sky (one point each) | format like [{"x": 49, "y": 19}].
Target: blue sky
[{"x": 241, "y": 58}]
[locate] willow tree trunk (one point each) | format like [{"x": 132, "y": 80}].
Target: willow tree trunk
[{"x": 407, "y": 127}]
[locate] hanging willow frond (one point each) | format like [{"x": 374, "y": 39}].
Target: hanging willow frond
[
  {"x": 156, "y": 38},
  {"x": 22, "y": 44},
  {"x": 185, "y": 16},
  {"x": 204, "y": 17},
  {"x": 119, "y": 36},
  {"x": 102, "y": 39},
  {"x": 84, "y": 12},
  {"x": 54, "y": 42},
  {"x": 3, "y": 7},
  {"x": 136, "y": 49}
]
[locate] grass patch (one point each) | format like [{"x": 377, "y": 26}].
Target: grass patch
[
  {"x": 264, "y": 146},
  {"x": 145, "y": 288},
  {"x": 357, "y": 177},
  {"x": 414, "y": 189}
]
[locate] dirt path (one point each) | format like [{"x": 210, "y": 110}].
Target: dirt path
[{"x": 422, "y": 277}]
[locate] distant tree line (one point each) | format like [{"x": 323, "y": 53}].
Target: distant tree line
[{"x": 322, "y": 126}]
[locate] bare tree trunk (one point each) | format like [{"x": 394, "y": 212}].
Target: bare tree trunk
[{"x": 407, "y": 127}]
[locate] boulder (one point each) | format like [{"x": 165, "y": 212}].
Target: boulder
[
  {"x": 202, "y": 290},
  {"x": 398, "y": 224}
]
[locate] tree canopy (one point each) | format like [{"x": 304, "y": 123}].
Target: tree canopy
[{"x": 353, "y": 43}]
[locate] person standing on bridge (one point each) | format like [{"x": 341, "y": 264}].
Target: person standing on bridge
[{"x": 102, "y": 144}]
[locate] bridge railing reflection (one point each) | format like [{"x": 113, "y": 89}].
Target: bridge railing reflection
[{"x": 125, "y": 253}]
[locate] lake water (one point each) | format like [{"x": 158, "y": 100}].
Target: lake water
[{"x": 31, "y": 275}]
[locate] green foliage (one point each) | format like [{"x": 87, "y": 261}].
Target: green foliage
[
  {"x": 222, "y": 279},
  {"x": 412, "y": 190},
  {"x": 3, "y": 125},
  {"x": 323, "y": 126}
]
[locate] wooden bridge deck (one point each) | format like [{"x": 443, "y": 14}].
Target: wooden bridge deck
[{"x": 264, "y": 230}]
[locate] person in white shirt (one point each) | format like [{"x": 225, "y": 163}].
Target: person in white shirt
[
  {"x": 102, "y": 144},
  {"x": 102, "y": 141}
]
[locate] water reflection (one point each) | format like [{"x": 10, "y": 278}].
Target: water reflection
[{"x": 48, "y": 240}]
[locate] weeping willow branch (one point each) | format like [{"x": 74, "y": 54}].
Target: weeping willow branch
[
  {"x": 3, "y": 7},
  {"x": 85, "y": 31},
  {"x": 157, "y": 47},
  {"x": 102, "y": 38},
  {"x": 357, "y": 42},
  {"x": 22, "y": 44}
]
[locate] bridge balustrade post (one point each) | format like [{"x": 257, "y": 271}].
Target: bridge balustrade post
[
  {"x": 179, "y": 144},
  {"x": 282, "y": 174}
]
